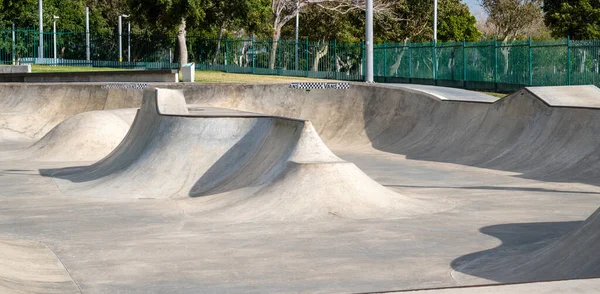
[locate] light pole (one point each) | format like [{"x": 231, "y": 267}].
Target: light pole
[
  {"x": 369, "y": 42},
  {"x": 120, "y": 37},
  {"x": 435, "y": 15},
  {"x": 54, "y": 34},
  {"x": 435, "y": 12},
  {"x": 297, "y": 25},
  {"x": 41, "y": 47},
  {"x": 87, "y": 34},
  {"x": 128, "y": 41}
]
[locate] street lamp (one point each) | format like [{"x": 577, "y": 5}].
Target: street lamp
[
  {"x": 120, "y": 37},
  {"x": 54, "y": 35}
]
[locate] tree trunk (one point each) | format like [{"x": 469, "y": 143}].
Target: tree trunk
[
  {"x": 320, "y": 53},
  {"x": 219, "y": 43},
  {"x": 273, "y": 53},
  {"x": 396, "y": 64},
  {"x": 183, "y": 53},
  {"x": 582, "y": 63},
  {"x": 505, "y": 51}
]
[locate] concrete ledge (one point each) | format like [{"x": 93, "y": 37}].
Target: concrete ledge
[
  {"x": 147, "y": 76},
  {"x": 15, "y": 69}
]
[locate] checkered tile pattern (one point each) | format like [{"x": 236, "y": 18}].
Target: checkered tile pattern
[
  {"x": 317, "y": 85},
  {"x": 125, "y": 86}
]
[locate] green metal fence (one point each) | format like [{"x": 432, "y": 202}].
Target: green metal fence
[{"x": 486, "y": 65}]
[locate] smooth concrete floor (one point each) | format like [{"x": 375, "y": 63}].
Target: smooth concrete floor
[{"x": 149, "y": 245}]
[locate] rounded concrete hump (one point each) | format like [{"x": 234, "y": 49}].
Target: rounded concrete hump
[
  {"x": 164, "y": 101},
  {"x": 310, "y": 147}
]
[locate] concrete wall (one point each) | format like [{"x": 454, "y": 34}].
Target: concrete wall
[
  {"x": 15, "y": 69},
  {"x": 145, "y": 76}
]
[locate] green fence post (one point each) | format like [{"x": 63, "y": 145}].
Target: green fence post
[
  {"x": 530, "y": 64},
  {"x": 252, "y": 48},
  {"x": 307, "y": 58},
  {"x": 384, "y": 61},
  {"x": 225, "y": 61},
  {"x": 279, "y": 64},
  {"x": 335, "y": 59},
  {"x": 464, "y": 53},
  {"x": 495, "y": 65},
  {"x": 569, "y": 60},
  {"x": 409, "y": 62},
  {"x": 434, "y": 73}
]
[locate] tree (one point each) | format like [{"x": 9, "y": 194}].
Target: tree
[
  {"x": 512, "y": 19},
  {"x": 242, "y": 17},
  {"x": 169, "y": 15},
  {"x": 285, "y": 10},
  {"x": 579, "y": 19}
]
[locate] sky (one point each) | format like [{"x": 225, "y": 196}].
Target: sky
[{"x": 475, "y": 9}]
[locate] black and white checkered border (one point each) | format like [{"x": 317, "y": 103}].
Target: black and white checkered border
[
  {"x": 125, "y": 86},
  {"x": 318, "y": 85}
]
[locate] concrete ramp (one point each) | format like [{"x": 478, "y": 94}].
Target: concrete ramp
[
  {"x": 87, "y": 136},
  {"x": 236, "y": 168},
  {"x": 574, "y": 255},
  {"x": 31, "y": 267},
  {"x": 28, "y": 112}
]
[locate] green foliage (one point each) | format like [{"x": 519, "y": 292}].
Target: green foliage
[
  {"x": 322, "y": 25},
  {"x": 456, "y": 22},
  {"x": 415, "y": 22},
  {"x": 579, "y": 19}
]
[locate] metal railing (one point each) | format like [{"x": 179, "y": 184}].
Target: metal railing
[{"x": 486, "y": 65}]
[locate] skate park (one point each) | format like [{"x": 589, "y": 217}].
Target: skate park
[{"x": 176, "y": 187}]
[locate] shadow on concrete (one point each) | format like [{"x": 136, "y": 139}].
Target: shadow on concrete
[
  {"x": 519, "y": 242},
  {"x": 517, "y": 134},
  {"x": 496, "y": 188}
]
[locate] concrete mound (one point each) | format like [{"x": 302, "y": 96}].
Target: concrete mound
[
  {"x": 31, "y": 267},
  {"x": 28, "y": 112},
  {"x": 269, "y": 167},
  {"x": 87, "y": 136}
]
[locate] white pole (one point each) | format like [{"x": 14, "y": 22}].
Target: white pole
[
  {"x": 435, "y": 13},
  {"x": 41, "y": 48},
  {"x": 369, "y": 42},
  {"x": 54, "y": 36},
  {"x": 297, "y": 25},
  {"x": 13, "y": 44},
  {"x": 120, "y": 42},
  {"x": 129, "y": 41},
  {"x": 87, "y": 33}
]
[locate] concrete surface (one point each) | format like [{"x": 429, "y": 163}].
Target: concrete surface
[
  {"x": 130, "y": 76},
  {"x": 31, "y": 267},
  {"x": 587, "y": 286},
  {"x": 498, "y": 186},
  {"x": 447, "y": 93},
  {"x": 15, "y": 68}
]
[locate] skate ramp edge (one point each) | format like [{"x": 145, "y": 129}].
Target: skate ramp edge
[
  {"x": 166, "y": 101},
  {"x": 31, "y": 267},
  {"x": 585, "y": 96}
]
